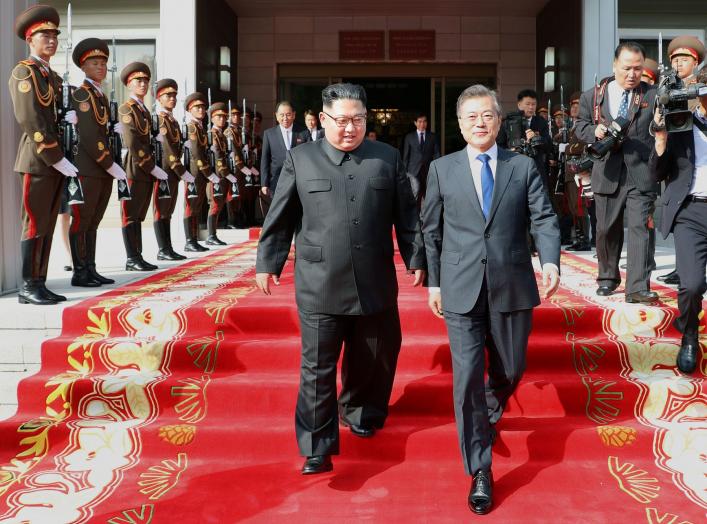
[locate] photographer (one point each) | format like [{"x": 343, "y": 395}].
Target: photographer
[
  {"x": 614, "y": 118},
  {"x": 680, "y": 159}
]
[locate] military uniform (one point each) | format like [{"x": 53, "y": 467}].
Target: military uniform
[
  {"x": 93, "y": 159},
  {"x": 136, "y": 123},
  {"x": 690, "y": 46},
  {"x": 163, "y": 208},
  {"x": 36, "y": 91},
  {"x": 219, "y": 147},
  {"x": 651, "y": 72},
  {"x": 234, "y": 202},
  {"x": 201, "y": 169}
]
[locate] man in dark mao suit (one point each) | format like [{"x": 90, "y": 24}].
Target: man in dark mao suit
[
  {"x": 480, "y": 204},
  {"x": 340, "y": 197}
]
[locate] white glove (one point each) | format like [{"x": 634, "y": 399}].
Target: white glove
[
  {"x": 158, "y": 173},
  {"x": 116, "y": 172},
  {"x": 231, "y": 179},
  {"x": 188, "y": 177},
  {"x": 66, "y": 168},
  {"x": 214, "y": 179},
  {"x": 118, "y": 128},
  {"x": 71, "y": 117}
]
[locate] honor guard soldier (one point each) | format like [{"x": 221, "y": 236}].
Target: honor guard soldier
[
  {"x": 171, "y": 139},
  {"x": 686, "y": 52},
  {"x": 543, "y": 111},
  {"x": 97, "y": 168},
  {"x": 234, "y": 203},
  {"x": 195, "y": 106},
  {"x": 216, "y": 188},
  {"x": 36, "y": 93},
  {"x": 651, "y": 72}
]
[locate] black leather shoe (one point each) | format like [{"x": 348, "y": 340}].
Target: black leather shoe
[
  {"x": 579, "y": 246},
  {"x": 164, "y": 254},
  {"x": 317, "y": 464},
  {"x": 687, "y": 356},
  {"x": 138, "y": 264},
  {"x": 672, "y": 280},
  {"x": 481, "y": 493},
  {"x": 194, "y": 247},
  {"x": 215, "y": 241},
  {"x": 360, "y": 430},
  {"x": 641, "y": 297},
  {"x": 663, "y": 278},
  {"x": 32, "y": 293},
  {"x": 605, "y": 291}
]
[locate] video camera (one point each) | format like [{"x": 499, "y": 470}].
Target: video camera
[
  {"x": 672, "y": 98},
  {"x": 517, "y": 124},
  {"x": 615, "y": 136}
]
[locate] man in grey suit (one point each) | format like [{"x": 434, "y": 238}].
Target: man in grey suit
[
  {"x": 480, "y": 203},
  {"x": 340, "y": 197},
  {"x": 420, "y": 147},
  {"x": 621, "y": 179}
]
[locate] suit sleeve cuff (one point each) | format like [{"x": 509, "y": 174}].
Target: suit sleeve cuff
[{"x": 432, "y": 290}]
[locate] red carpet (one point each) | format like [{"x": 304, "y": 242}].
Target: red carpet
[{"x": 172, "y": 400}]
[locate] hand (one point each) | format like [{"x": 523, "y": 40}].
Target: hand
[
  {"x": 66, "y": 168},
  {"x": 551, "y": 280},
  {"x": 419, "y": 276},
  {"x": 265, "y": 190},
  {"x": 435, "y": 303},
  {"x": 231, "y": 179},
  {"x": 158, "y": 173},
  {"x": 118, "y": 128},
  {"x": 214, "y": 179},
  {"x": 600, "y": 131},
  {"x": 71, "y": 117},
  {"x": 160, "y": 138},
  {"x": 529, "y": 133},
  {"x": 116, "y": 172},
  {"x": 262, "y": 280},
  {"x": 188, "y": 177}
]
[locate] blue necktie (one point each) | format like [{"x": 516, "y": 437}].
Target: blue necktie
[
  {"x": 623, "y": 107},
  {"x": 486, "y": 183}
]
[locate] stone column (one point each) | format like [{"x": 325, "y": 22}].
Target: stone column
[{"x": 599, "y": 39}]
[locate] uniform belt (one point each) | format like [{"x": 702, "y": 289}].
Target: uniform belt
[{"x": 694, "y": 198}]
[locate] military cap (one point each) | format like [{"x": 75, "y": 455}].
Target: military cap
[
  {"x": 37, "y": 18},
  {"x": 194, "y": 99},
  {"x": 687, "y": 45},
  {"x": 134, "y": 70},
  {"x": 650, "y": 68},
  {"x": 542, "y": 109},
  {"x": 235, "y": 110},
  {"x": 218, "y": 108},
  {"x": 557, "y": 110},
  {"x": 89, "y": 48},
  {"x": 166, "y": 86},
  {"x": 575, "y": 97}
]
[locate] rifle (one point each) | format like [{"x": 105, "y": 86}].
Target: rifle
[
  {"x": 157, "y": 153},
  {"x": 191, "y": 186},
  {"x": 67, "y": 131},
  {"x": 210, "y": 140},
  {"x": 256, "y": 173},
  {"x": 115, "y": 144},
  {"x": 564, "y": 138},
  {"x": 231, "y": 162},
  {"x": 246, "y": 150}
]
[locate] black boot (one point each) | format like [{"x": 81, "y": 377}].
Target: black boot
[
  {"x": 164, "y": 241},
  {"x": 31, "y": 291},
  {"x": 46, "y": 249},
  {"x": 190, "y": 232},
  {"x": 138, "y": 235},
  {"x": 81, "y": 277},
  {"x": 134, "y": 262},
  {"x": 168, "y": 233},
  {"x": 687, "y": 356},
  {"x": 212, "y": 239},
  {"x": 91, "y": 259}
]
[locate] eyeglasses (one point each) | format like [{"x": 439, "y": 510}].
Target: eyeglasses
[
  {"x": 487, "y": 117},
  {"x": 343, "y": 121}
]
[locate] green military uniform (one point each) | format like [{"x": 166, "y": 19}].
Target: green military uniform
[
  {"x": 200, "y": 168},
  {"x": 36, "y": 91},
  {"x": 219, "y": 146},
  {"x": 163, "y": 208},
  {"x": 92, "y": 158},
  {"x": 136, "y": 125}
]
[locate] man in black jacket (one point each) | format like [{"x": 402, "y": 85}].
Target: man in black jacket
[
  {"x": 681, "y": 160},
  {"x": 420, "y": 148}
]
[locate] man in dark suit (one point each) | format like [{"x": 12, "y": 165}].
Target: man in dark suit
[
  {"x": 420, "y": 147},
  {"x": 480, "y": 203},
  {"x": 277, "y": 141},
  {"x": 621, "y": 179},
  {"x": 341, "y": 197},
  {"x": 311, "y": 133},
  {"x": 681, "y": 160}
]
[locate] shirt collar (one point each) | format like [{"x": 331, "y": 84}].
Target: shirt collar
[
  {"x": 284, "y": 129},
  {"x": 140, "y": 102},
  {"x": 337, "y": 155},
  {"x": 473, "y": 152},
  {"x": 41, "y": 62},
  {"x": 95, "y": 85}
]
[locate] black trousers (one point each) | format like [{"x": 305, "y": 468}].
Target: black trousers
[
  {"x": 690, "y": 231},
  {"x": 479, "y": 404},
  {"x": 639, "y": 206},
  {"x": 371, "y": 347}
]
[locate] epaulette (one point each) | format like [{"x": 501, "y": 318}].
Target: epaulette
[
  {"x": 23, "y": 67},
  {"x": 79, "y": 90}
]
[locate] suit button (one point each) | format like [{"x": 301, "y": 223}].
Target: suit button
[
  {"x": 355, "y": 221},
  {"x": 483, "y": 260},
  {"x": 486, "y": 235},
  {"x": 351, "y": 177},
  {"x": 353, "y": 199},
  {"x": 357, "y": 246}
]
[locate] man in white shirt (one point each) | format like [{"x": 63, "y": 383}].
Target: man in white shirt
[
  {"x": 311, "y": 133},
  {"x": 479, "y": 206}
]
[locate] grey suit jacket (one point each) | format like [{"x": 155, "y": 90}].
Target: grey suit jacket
[
  {"x": 462, "y": 247},
  {"x": 677, "y": 167},
  {"x": 273, "y": 156},
  {"x": 342, "y": 213},
  {"x": 634, "y": 152}
]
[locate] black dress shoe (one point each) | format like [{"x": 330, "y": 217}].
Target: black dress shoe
[
  {"x": 665, "y": 277},
  {"x": 317, "y": 464},
  {"x": 687, "y": 356},
  {"x": 672, "y": 280},
  {"x": 34, "y": 295},
  {"x": 165, "y": 254},
  {"x": 138, "y": 264},
  {"x": 50, "y": 294},
  {"x": 193, "y": 246},
  {"x": 641, "y": 297},
  {"x": 360, "y": 430},
  {"x": 215, "y": 241},
  {"x": 481, "y": 493},
  {"x": 580, "y": 246},
  {"x": 68, "y": 268},
  {"x": 605, "y": 291}
]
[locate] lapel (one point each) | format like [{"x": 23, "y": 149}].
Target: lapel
[
  {"x": 504, "y": 171},
  {"x": 689, "y": 145},
  {"x": 465, "y": 180}
]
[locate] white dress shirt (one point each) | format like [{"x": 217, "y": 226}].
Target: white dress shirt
[
  {"x": 699, "y": 178},
  {"x": 142, "y": 103},
  {"x": 313, "y": 132},
  {"x": 614, "y": 95},
  {"x": 96, "y": 85},
  {"x": 287, "y": 136}
]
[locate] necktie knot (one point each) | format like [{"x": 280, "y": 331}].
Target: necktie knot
[{"x": 484, "y": 158}]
